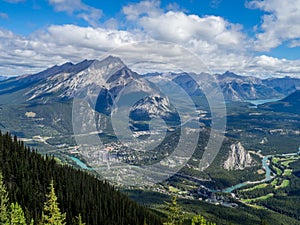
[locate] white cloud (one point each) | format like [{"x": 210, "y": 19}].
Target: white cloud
[
  {"x": 160, "y": 36},
  {"x": 173, "y": 6},
  {"x": 294, "y": 43},
  {"x": 81, "y": 10},
  {"x": 207, "y": 33},
  {"x": 271, "y": 66},
  {"x": 134, "y": 11},
  {"x": 56, "y": 45},
  {"x": 280, "y": 24}
]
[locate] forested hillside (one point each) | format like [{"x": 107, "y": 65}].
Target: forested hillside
[{"x": 27, "y": 176}]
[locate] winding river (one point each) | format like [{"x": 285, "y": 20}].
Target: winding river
[
  {"x": 79, "y": 163},
  {"x": 267, "y": 178},
  {"x": 265, "y": 167},
  {"x": 264, "y": 161}
]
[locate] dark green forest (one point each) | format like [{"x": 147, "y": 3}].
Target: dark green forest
[{"x": 27, "y": 175}]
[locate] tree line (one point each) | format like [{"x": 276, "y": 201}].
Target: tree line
[
  {"x": 27, "y": 174},
  {"x": 36, "y": 190}
]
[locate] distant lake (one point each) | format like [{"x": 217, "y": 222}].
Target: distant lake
[{"x": 262, "y": 101}]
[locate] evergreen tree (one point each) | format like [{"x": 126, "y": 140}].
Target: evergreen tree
[
  {"x": 145, "y": 222},
  {"x": 3, "y": 202},
  {"x": 175, "y": 216},
  {"x": 263, "y": 222},
  {"x": 17, "y": 216},
  {"x": 200, "y": 220},
  {"x": 51, "y": 214},
  {"x": 79, "y": 220},
  {"x": 101, "y": 204}
]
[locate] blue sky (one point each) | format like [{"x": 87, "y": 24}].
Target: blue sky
[{"x": 253, "y": 37}]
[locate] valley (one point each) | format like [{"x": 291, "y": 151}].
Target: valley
[
  {"x": 150, "y": 112},
  {"x": 68, "y": 113}
]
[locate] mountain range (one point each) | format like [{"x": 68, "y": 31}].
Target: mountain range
[
  {"x": 39, "y": 109},
  {"x": 236, "y": 87},
  {"x": 101, "y": 83},
  {"x": 111, "y": 75}
]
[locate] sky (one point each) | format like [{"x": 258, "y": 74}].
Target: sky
[{"x": 248, "y": 37}]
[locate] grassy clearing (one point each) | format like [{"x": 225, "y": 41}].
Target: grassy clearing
[
  {"x": 287, "y": 162},
  {"x": 256, "y": 187},
  {"x": 270, "y": 195},
  {"x": 173, "y": 189},
  {"x": 275, "y": 160},
  {"x": 275, "y": 182},
  {"x": 287, "y": 172},
  {"x": 277, "y": 170},
  {"x": 284, "y": 184}
]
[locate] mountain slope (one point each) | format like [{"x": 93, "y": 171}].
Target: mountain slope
[
  {"x": 27, "y": 175},
  {"x": 284, "y": 85},
  {"x": 97, "y": 82},
  {"x": 240, "y": 88},
  {"x": 289, "y": 104},
  {"x": 234, "y": 87}
]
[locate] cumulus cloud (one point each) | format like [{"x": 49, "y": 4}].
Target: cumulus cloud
[
  {"x": 182, "y": 28},
  {"x": 271, "y": 66},
  {"x": 136, "y": 10},
  {"x": 160, "y": 35},
  {"x": 207, "y": 33},
  {"x": 79, "y": 9},
  {"x": 56, "y": 45},
  {"x": 294, "y": 43},
  {"x": 280, "y": 23}
]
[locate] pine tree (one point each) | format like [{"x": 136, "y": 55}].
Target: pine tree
[
  {"x": 17, "y": 216},
  {"x": 263, "y": 222},
  {"x": 200, "y": 220},
  {"x": 79, "y": 220},
  {"x": 145, "y": 221},
  {"x": 4, "y": 219},
  {"x": 51, "y": 213},
  {"x": 175, "y": 215}
]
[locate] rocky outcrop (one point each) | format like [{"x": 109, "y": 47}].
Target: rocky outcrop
[{"x": 238, "y": 159}]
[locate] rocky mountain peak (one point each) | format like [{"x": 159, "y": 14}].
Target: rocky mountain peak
[
  {"x": 69, "y": 79},
  {"x": 239, "y": 158}
]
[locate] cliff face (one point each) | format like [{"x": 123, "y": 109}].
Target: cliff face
[{"x": 238, "y": 159}]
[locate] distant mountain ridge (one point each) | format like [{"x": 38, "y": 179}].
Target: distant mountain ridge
[
  {"x": 240, "y": 88},
  {"x": 97, "y": 82},
  {"x": 235, "y": 87},
  {"x": 290, "y": 104},
  {"x": 111, "y": 73},
  {"x": 101, "y": 82}
]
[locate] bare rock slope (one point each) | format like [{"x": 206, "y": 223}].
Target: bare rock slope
[{"x": 239, "y": 158}]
